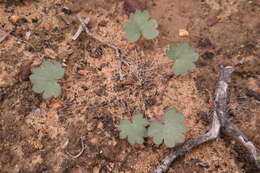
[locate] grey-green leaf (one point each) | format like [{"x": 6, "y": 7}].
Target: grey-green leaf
[
  {"x": 171, "y": 132},
  {"x": 44, "y": 79},
  {"x": 184, "y": 57},
  {"x": 132, "y": 32},
  {"x": 135, "y": 131},
  {"x": 140, "y": 23},
  {"x": 149, "y": 30}
]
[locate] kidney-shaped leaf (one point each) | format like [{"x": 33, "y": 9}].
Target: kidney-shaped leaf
[
  {"x": 44, "y": 79},
  {"x": 184, "y": 57},
  {"x": 135, "y": 131},
  {"x": 171, "y": 131},
  {"x": 140, "y": 23}
]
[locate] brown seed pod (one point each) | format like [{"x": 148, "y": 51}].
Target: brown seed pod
[{"x": 25, "y": 73}]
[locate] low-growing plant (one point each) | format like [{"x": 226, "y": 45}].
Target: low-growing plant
[
  {"x": 184, "y": 57},
  {"x": 45, "y": 79},
  {"x": 135, "y": 131},
  {"x": 140, "y": 24},
  {"x": 171, "y": 131}
]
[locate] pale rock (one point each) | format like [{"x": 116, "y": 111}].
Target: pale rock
[{"x": 183, "y": 33}]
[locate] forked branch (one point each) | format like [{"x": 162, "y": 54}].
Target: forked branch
[{"x": 219, "y": 122}]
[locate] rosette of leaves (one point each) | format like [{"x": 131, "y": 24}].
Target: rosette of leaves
[
  {"x": 140, "y": 24},
  {"x": 184, "y": 57},
  {"x": 171, "y": 131},
  {"x": 45, "y": 77}
]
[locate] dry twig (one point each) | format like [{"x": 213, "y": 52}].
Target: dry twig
[
  {"x": 31, "y": 45},
  {"x": 80, "y": 29},
  {"x": 77, "y": 155},
  {"x": 117, "y": 50},
  {"x": 3, "y": 37},
  {"x": 219, "y": 122}
]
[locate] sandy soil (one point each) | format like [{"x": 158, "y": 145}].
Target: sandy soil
[{"x": 33, "y": 131}]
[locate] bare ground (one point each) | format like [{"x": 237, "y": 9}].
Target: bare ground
[{"x": 33, "y": 131}]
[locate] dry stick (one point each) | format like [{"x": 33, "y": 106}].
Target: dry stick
[
  {"x": 3, "y": 37},
  {"x": 233, "y": 131},
  {"x": 117, "y": 50},
  {"x": 77, "y": 155},
  {"x": 189, "y": 145},
  {"x": 80, "y": 29},
  {"x": 219, "y": 121},
  {"x": 30, "y": 44}
]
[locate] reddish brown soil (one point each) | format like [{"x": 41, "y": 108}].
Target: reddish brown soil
[{"x": 33, "y": 131}]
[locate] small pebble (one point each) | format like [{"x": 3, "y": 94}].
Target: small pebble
[
  {"x": 204, "y": 164},
  {"x": 17, "y": 20},
  {"x": 100, "y": 125},
  {"x": 212, "y": 21},
  {"x": 183, "y": 33},
  {"x": 36, "y": 112}
]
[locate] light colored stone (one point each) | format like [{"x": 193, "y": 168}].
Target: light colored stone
[{"x": 183, "y": 33}]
